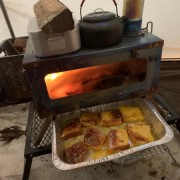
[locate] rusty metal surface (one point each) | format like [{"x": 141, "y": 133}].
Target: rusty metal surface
[{"x": 133, "y": 9}]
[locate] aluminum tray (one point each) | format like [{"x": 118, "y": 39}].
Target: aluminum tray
[{"x": 161, "y": 130}]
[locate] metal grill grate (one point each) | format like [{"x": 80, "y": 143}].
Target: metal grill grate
[
  {"x": 130, "y": 159},
  {"x": 35, "y": 126},
  {"x": 11, "y": 73},
  {"x": 15, "y": 84}
]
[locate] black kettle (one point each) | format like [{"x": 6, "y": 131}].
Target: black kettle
[{"x": 100, "y": 29}]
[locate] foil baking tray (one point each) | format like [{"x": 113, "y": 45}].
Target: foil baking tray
[{"x": 161, "y": 131}]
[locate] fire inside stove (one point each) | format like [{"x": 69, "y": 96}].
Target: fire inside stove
[{"x": 73, "y": 82}]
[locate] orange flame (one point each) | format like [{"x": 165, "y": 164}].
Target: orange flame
[
  {"x": 83, "y": 80},
  {"x": 53, "y": 76}
]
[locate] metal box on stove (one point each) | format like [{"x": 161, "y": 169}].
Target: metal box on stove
[{"x": 45, "y": 45}]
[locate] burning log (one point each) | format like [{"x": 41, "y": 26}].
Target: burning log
[{"x": 53, "y": 16}]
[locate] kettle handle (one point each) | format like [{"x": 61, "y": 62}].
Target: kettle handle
[{"x": 84, "y": 1}]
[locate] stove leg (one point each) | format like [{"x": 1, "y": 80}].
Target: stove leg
[
  {"x": 178, "y": 125},
  {"x": 43, "y": 129},
  {"x": 27, "y": 167}
]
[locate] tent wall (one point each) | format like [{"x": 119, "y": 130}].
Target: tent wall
[{"x": 164, "y": 14}]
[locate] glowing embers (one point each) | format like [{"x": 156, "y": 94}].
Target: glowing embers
[{"x": 84, "y": 80}]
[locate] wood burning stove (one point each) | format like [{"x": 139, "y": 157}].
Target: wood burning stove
[
  {"x": 94, "y": 76},
  {"x": 143, "y": 51}
]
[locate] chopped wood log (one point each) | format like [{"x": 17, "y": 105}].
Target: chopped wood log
[
  {"x": 53, "y": 16},
  {"x": 20, "y": 44}
]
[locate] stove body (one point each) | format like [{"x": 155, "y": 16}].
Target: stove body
[{"x": 94, "y": 76}]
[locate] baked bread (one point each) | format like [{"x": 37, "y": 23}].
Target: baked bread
[
  {"x": 76, "y": 153},
  {"x": 131, "y": 113},
  {"x": 139, "y": 134},
  {"x": 72, "y": 130},
  {"x": 88, "y": 119},
  {"x": 118, "y": 140},
  {"x": 94, "y": 138},
  {"x": 110, "y": 118}
]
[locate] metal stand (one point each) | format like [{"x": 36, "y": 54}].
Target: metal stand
[
  {"x": 43, "y": 130},
  {"x": 35, "y": 126},
  {"x": 27, "y": 167}
]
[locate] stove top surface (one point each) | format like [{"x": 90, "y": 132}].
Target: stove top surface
[{"x": 147, "y": 41}]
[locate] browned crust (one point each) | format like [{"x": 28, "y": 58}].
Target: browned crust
[
  {"x": 113, "y": 142},
  {"x": 128, "y": 118},
  {"x": 88, "y": 119},
  {"x": 135, "y": 137},
  {"x": 73, "y": 134},
  {"x": 115, "y": 121},
  {"x": 72, "y": 130},
  {"x": 120, "y": 148},
  {"x": 76, "y": 153},
  {"x": 94, "y": 139},
  {"x": 96, "y": 148}
]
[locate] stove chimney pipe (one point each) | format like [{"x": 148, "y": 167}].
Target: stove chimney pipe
[{"x": 133, "y": 12}]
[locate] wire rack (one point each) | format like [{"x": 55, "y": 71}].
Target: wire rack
[
  {"x": 11, "y": 72},
  {"x": 147, "y": 153},
  {"x": 35, "y": 124}
]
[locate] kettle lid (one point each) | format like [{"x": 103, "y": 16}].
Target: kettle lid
[{"x": 96, "y": 17}]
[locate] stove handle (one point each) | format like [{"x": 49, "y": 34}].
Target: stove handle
[{"x": 82, "y": 3}]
